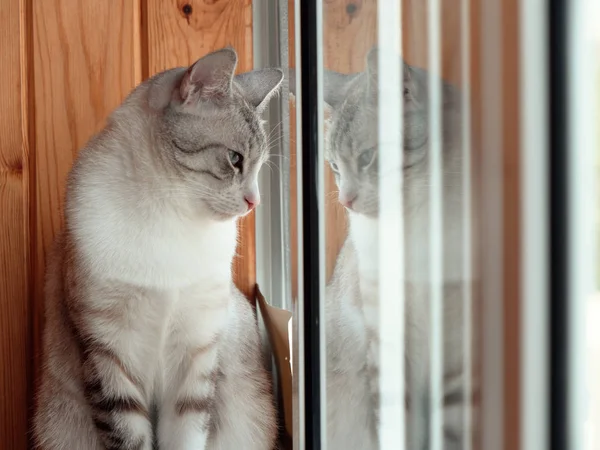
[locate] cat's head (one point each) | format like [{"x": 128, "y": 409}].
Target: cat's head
[
  {"x": 211, "y": 132},
  {"x": 352, "y": 141}
]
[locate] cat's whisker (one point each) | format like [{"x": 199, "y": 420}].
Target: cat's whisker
[
  {"x": 271, "y": 165},
  {"x": 182, "y": 190},
  {"x": 274, "y": 142},
  {"x": 273, "y": 155},
  {"x": 275, "y": 128}
]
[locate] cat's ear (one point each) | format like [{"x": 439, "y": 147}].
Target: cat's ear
[
  {"x": 373, "y": 71},
  {"x": 335, "y": 86},
  {"x": 259, "y": 86},
  {"x": 372, "y": 74},
  {"x": 373, "y": 64},
  {"x": 210, "y": 77}
]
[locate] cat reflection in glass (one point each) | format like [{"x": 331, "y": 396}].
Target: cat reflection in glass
[{"x": 352, "y": 299}]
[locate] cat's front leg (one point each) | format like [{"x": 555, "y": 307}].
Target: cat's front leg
[
  {"x": 191, "y": 374},
  {"x": 115, "y": 396},
  {"x": 185, "y": 418},
  {"x": 370, "y": 307}
]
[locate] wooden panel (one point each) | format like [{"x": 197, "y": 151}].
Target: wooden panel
[
  {"x": 511, "y": 208},
  {"x": 15, "y": 337},
  {"x": 83, "y": 66},
  {"x": 179, "y": 32},
  {"x": 477, "y": 201}
]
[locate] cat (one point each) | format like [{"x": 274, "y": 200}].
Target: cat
[
  {"x": 148, "y": 344},
  {"x": 352, "y": 296}
]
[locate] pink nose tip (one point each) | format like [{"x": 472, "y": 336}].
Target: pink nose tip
[
  {"x": 252, "y": 202},
  {"x": 347, "y": 201}
]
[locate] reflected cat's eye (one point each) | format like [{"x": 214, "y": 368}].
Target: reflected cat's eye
[
  {"x": 236, "y": 159},
  {"x": 365, "y": 158},
  {"x": 334, "y": 167}
]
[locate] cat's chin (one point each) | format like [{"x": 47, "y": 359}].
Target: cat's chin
[
  {"x": 371, "y": 214},
  {"x": 213, "y": 212},
  {"x": 223, "y": 217}
]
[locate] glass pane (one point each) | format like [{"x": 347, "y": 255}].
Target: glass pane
[
  {"x": 398, "y": 225},
  {"x": 435, "y": 261}
]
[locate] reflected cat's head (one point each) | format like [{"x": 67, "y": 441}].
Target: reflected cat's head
[
  {"x": 352, "y": 140},
  {"x": 210, "y": 131}
]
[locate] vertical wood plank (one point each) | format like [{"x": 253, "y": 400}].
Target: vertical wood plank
[
  {"x": 179, "y": 32},
  {"x": 84, "y": 64},
  {"x": 15, "y": 336},
  {"x": 477, "y": 200},
  {"x": 512, "y": 223}
]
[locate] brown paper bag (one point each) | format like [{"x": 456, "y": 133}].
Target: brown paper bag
[{"x": 277, "y": 322}]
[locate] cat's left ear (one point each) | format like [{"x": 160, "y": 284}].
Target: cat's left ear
[
  {"x": 259, "y": 86},
  {"x": 373, "y": 73},
  {"x": 210, "y": 77}
]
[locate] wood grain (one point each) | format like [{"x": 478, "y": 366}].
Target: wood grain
[
  {"x": 15, "y": 339},
  {"x": 178, "y": 33},
  {"x": 83, "y": 67},
  {"x": 511, "y": 208}
]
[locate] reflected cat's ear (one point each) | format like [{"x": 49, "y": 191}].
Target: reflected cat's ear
[
  {"x": 335, "y": 86},
  {"x": 210, "y": 77},
  {"x": 372, "y": 62},
  {"x": 259, "y": 86},
  {"x": 372, "y": 72}
]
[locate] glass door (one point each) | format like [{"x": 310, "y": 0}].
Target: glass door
[{"x": 436, "y": 302}]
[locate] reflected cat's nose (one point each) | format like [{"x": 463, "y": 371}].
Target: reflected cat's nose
[{"x": 347, "y": 199}]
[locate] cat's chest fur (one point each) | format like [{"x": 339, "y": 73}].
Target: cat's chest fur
[
  {"x": 364, "y": 232},
  {"x": 150, "y": 246}
]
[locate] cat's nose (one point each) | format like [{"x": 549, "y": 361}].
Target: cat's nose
[
  {"x": 347, "y": 200},
  {"x": 252, "y": 201}
]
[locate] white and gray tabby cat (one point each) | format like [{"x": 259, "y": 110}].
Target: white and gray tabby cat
[
  {"x": 352, "y": 294},
  {"x": 147, "y": 342}
]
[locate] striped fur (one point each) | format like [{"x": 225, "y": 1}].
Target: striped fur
[{"x": 147, "y": 342}]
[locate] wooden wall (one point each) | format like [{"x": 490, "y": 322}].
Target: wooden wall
[{"x": 66, "y": 64}]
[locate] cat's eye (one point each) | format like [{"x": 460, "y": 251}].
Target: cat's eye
[
  {"x": 406, "y": 92},
  {"x": 365, "y": 158},
  {"x": 334, "y": 167},
  {"x": 236, "y": 159}
]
